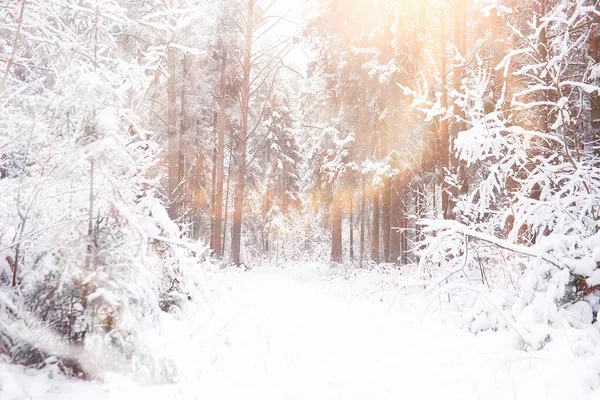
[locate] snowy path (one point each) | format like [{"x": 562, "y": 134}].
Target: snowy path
[
  {"x": 294, "y": 334},
  {"x": 297, "y": 334}
]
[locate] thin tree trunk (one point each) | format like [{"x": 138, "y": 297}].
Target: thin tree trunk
[
  {"x": 444, "y": 139},
  {"x": 225, "y": 214},
  {"x": 351, "y": 214},
  {"x": 375, "y": 233},
  {"x": 421, "y": 198},
  {"x": 421, "y": 204},
  {"x": 238, "y": 202},
  {"x": 197, "y": 188},
  {"x": 403, "y": 225},
  {"x": 594, "y": 51},
  {"x": 363, "y": 196},
  {"x": 213, "y": 197},
  {"x": 386, "y": 199},
  {"x": 459, "y": 72},
  {"x": 267, "y": 200},
  {"x": 173, "y": 145},
  {"x": 395, "y": 220},
  {"x": 181, "y": 154},
  {"x": 216, "y": 241},
  {"x": 336, "y": 232},
  {"x": 265, "y": 228},
  {"x": 456, "y": 76},
  {"x": 540, "y": 10},
  {"x": 91, "y": 131},
  {"x": 90, "y": 246}
]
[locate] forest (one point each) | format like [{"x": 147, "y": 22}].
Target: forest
[{"x": 299, "y": 199}]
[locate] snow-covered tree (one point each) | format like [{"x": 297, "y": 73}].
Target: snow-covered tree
[
  {"x": 81, "y": 226},
  {"x": 535, "y": 178}
]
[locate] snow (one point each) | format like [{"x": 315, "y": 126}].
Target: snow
[{"x": 309, "y": 332}]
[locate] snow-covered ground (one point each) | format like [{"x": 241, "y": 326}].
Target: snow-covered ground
[{"x": 304, "y": 332}]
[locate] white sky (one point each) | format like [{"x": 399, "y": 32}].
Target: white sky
[{"x": 297, "y": 12}]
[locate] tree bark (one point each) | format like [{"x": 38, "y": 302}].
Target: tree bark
[
  {"x": 421, "y": 207},
  {"x": 540, "y": 8},
  {"x": 226, "y": 213},
  {"x": 458, "y": 74},
  {"x": 395, "y": 220},
  {"x": 238, "y": 202},
  {"x": 375, "y": 243},
  {"x": 386, "y": 199},
  {"x": 216, "y": 242},
  {"x": 173, "y": 142},
  {"x": 444, "y": 137},
  {"x": 336, "y": 232},
  {"x": 267, "y": 201},
  {"x": 213, "y": 181},
  {"x": 403, "y": 225},
  {"x": 594, "y": 52},
  {"x": 351, "y": 214},
  {"x": 181, "y": 188},
  {"x": 363, "y": 196}
]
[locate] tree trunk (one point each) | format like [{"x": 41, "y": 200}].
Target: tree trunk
[
  {"x": 540, "y": 9},
  {"x": 363, "y": 196},
  {"x": 395, "y": 220},
  {"x": 594, "y": 51},
  {"x": 458, "y": 74},
  {"x": 226, "y": 213},
  {"x": 351, "y": 229},
  {"x": 238, "y": 202},
  {"x": 267, "y": 201},
  {"x": 421, "y": 206},
  {"x": 375, "y": 242},
  {"x": 236, "y": 227},
  {"x": 213, "y": 181},
  {"x": 173, "y": 145},
  {"x": 403, "y": 225},
  {"x": 386, "y": 199},
  {"x": 181, "y": 153},
  {"x": 444, "y": 138},
  {"x": 336, "y": 232},
  {"x": 421, "y": 198},
  {"x": 216, "y": 242}
]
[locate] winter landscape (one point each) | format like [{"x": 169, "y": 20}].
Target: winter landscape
[{"x": 299, "y": 199}]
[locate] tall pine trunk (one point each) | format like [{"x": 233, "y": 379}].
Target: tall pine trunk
[
  {"x": 226, "y": 213},
  {"x": 213, "y": 180},
  {"x": 402, "y": 190},
  {"x": 594, "y": 52},
  {"x": 173, "y": 145},
  {"x": 444, "y": 132},
  {"x": 458, "y": 74},
  {"x": 421, "y": 208},
  {"x": 336, "y": 232},
  {"x": 363, "y": 197},
  {"x": 238, "y": 202},
  {"x": 351, "y": 214},
  {"x": 385, "y": 224},
  {"x": 395, "y": 220},
  {"x": 217, "y": 232},
  {"x": 375, "y": 242},
  {"x": 181, "y": 144},
  {"x": 267, "y": 201}
]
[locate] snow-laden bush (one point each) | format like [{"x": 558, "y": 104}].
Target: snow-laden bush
[
  {"x": 89, "y": 260},
  {"x": 529, "y": 223}
]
